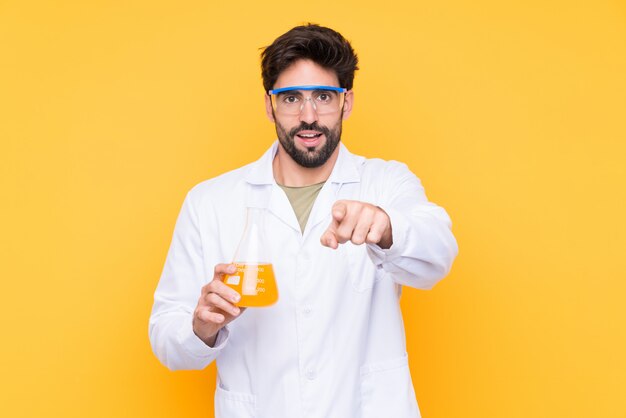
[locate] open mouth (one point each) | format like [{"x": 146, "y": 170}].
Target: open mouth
[{"x": 309, "y": 136}]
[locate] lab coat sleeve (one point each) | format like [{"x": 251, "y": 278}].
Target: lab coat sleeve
[
  {"x": 423, "y": 246},
  {"x": 176, "y": 297}
]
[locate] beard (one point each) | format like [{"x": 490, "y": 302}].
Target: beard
[{"x": 309, "y": 158}]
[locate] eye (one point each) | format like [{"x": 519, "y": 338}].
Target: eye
[
  {"x": 324, "y": 97},
  {"x": 290, "y": 99}
]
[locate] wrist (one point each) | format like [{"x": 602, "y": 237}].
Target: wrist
[
  {"x": 209, "y": 340},
  {"x": 386, "y": 241}
]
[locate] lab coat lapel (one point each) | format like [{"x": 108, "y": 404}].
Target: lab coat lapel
[
  {"x": 263, "y": 192},
  {"x": 280, "y": 206},
  {"x": 345, "y": 174}
]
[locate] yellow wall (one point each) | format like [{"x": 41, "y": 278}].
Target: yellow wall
[{"x": 513, "y": 114}]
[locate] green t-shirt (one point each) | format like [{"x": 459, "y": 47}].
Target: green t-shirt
[{"x": 302, "y": 199}]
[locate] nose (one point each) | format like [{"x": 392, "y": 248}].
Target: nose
[{"x": 308, "y": 113}]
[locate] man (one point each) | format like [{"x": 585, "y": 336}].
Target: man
[{"x": 345, "y": 233}]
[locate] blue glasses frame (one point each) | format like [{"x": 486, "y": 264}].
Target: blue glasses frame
[
  {"x": 338, "y": 89},
  {"x": 275, "y": 92}
]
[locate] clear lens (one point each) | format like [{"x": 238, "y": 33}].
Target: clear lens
[{"x": 292, "y": 102}]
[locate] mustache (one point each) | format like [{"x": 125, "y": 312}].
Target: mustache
[{"x": 309, "y": 127}]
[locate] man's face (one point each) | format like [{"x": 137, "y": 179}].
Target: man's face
[{"x": 308, "y": 138}]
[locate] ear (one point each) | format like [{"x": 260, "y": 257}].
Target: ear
[
  {"x": 348, "y": 101},
  {"x": 268, "y": 108}
]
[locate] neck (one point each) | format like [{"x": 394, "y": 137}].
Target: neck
[{"x": 289, "y": 173}]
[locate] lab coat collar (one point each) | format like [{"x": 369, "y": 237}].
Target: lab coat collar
[{"x": 344, "y": 171}]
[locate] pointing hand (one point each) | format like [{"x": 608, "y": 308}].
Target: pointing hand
[{"x": 358, "y": 222}]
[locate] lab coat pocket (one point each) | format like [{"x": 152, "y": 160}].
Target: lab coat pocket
[
  {"x": 387, "y": 390},
  {"x": 230, "y": 404},
  {"x": 361, "y": 270}
]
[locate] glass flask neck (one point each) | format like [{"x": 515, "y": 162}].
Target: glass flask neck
[
  {"x": 255, "y": 216},
  {"x": 253, "y": 245}
]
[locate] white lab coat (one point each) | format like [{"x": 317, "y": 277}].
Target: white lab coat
[{"x": 334, "y": 344}]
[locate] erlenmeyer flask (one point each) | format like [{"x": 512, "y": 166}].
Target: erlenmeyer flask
[{"x": 254, "y": 278}]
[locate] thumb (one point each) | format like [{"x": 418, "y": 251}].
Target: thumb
[{"x": 223, "y": 269}]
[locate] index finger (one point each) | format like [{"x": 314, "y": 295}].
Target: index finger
[
  {"x": 218, "y": 275},
  {"x": 328, "y": 239}
]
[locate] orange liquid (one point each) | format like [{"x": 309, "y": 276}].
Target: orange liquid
[{"x": 255, "y": 283}]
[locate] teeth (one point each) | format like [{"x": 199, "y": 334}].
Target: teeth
[{"x": 308, "y": 135}]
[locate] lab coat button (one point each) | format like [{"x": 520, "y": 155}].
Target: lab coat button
[
  {"x": 307, "y": 310},
  {"x": 310, "y": 374}
]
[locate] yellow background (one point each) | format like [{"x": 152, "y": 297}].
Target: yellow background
[{"x": 513, "y": 114}]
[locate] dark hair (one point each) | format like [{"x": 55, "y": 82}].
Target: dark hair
[{"x": 324, "y": 46}]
